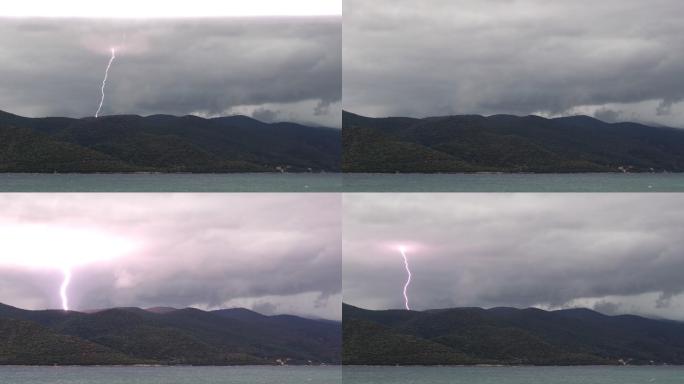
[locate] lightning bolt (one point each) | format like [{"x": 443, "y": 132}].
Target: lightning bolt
[
  {"x": 402, "y": 250},
  {"x": 63, "y": 288},
  {"x": 104, "y": 81}
]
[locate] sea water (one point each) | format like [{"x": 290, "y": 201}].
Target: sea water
[
  {"x": 174, "y": 182},
  {"x": 170, "y": 375},
  {"x": 335, "y": 182},
  {"x": 573, "y": 182},
  {"x": 513, "y": 375}
]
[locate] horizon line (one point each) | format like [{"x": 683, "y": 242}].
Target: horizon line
[
  {"x": 171, "y": 309},
  {"x": 645, "y": 316},
  {"x": 648, "y": 124},
  {"x": 305, "y": 124}
]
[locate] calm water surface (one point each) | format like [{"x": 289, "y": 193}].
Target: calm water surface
[
  {"x": 575, "y": 182},
  {"x": 335, "y": 182},
  {"x": 179, "y": 182},
  {"x": 170, "y": 375},
  {"x": 512, "y": 375}
]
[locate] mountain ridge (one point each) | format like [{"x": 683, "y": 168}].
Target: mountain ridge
[
  {"x": 187, "y": 336},
  {"x": 507, "y": 336},
  {"x": 164, "y": 143},
  {"x": 507, "y": 143}
]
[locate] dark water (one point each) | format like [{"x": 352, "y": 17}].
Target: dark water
[
  {"x": 575, "y": 182},
  {"x": 169, "y": 375},
  {"x": 512, "y": 375},
  {"x": 335, "y": 182},
  {"x": 234, "y": 182}
]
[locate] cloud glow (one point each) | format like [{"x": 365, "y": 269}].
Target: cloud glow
[
  {"x": 275, "y": 253},
  {"x": 42, "y": 246},
  {"x": 615, "y": 254},
  {"x": 63, "y": 248}
]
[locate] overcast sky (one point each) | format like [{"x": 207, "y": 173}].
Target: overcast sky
[
  {"x": 170, "y": 8},
  {"x": 274, "y": 253},
  {"x": 614, "y": 59},
  {"x": 271, "y": 68},
  {"x": 616, "y": 253}
]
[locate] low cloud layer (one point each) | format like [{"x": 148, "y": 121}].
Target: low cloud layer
[
  {"x": 276, "y": 69},
  {"x": 617, "y": 60},
  {"x": 275, "y": 253},
  {"x": 616, "y": 253}
]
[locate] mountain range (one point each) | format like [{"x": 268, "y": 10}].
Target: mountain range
[
  {"x": 506, "y": 143},
  {"x": 164, "y": 143},
  {"x": 507, "y": 336},
  {"x": 164, "y": 336}
]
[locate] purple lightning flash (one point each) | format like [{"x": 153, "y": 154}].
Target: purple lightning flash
[
  {"x": 402, "y": 250},
  {"x": 104, "y": 81}
]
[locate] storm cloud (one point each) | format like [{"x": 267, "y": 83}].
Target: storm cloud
[
  {"x": 275, "y": 253},
  {"x": 616, "y": 253},
  {"x": 618, "y": 60},
  {"x": 272, "y": 68}
]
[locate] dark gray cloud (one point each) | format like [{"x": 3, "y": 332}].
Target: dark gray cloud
[
  {"x": 208, "y": 67},
  {"x": 613, "y": 252},
  {"x": 274, "y": 252},
  {"x": 551, "y": 58}
]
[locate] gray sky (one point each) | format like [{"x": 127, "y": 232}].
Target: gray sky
[
  {"x": 617, "y": 253},
  {"x": 272, "y": 68},
  {"x": 275, "y": 253},
  {"x": 614, "y": 59}
]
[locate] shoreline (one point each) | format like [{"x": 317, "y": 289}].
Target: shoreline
[
  {"x": 509, "y": 365},
  {"x": 162, "y": 365},
  {"x": 513, "y": 173},
  {"x": 173, "y": 173}
]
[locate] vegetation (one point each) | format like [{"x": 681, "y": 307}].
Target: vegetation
[
  {"x": 25, "y": 342},
  {"x": 507, "y": 336},
  {"x": 162, "y": 143},
  {"x": 172, "y": 336},
  {"x": 504, "y": 143}
]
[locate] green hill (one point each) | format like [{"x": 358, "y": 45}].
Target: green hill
[
  {"x": 507, "y": 336},
  {"x": 172, "y": 336},
  {"x": 25, "y": 342},
  {"x": 504, "y": 143},
  {"x": 162, "y": 143}
]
